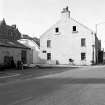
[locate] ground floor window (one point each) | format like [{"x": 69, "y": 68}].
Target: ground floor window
[
  {"x": 83, "y": 56},
  {"x": 48, "y": 56}
]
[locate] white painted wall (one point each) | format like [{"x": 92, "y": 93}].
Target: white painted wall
[{"x": 66, "y": 44}]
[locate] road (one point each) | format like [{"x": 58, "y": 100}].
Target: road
[{"x": 80, "y": 86}]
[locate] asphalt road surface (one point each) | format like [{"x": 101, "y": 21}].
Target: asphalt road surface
[{"x": 80, "y": 86}]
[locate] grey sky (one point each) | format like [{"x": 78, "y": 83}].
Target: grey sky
[{"x": 34, "y": 17}]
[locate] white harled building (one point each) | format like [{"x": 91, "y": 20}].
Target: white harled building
[{"x": 69, "y": 42}]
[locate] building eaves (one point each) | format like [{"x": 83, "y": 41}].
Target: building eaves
[
  {"x": 12, "y": 44},
  {"x": 36, "y": 40}
]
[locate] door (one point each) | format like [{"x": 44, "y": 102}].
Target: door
[{"x": 24, "y": 56}]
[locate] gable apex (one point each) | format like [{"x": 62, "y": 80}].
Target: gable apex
[{"x": 65, "y": 13}]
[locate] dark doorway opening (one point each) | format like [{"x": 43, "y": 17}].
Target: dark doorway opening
[
  {"x": 100, "y": 57},
  {"x": 24, "y": 56}
]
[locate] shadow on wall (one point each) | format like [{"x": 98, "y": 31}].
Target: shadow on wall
[{"x": 8, "y": 63}]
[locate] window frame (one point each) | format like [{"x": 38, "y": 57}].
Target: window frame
[
  {"x": 48, "y": 56},
  {"x": 74, "y": 28},
  {"x": 57, "y": 30},
  {"x": 83, "y": 56},
  {"x": 83, "y": 42},
  {"x": 48, "y": 43}
]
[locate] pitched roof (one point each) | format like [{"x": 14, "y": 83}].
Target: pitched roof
[
  {"x": 9, "y": 32},
  {"x": 82, "y": 25},
  {"x": 12, "y": 44},
  {"x": 36, "y": 40}
]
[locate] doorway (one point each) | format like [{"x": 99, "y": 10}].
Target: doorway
[{"x": 24, "y": 56}]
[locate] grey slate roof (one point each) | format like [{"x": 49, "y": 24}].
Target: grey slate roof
[
  {"x": 12, "y": 44},
  {"x": 36, "y": 40}
]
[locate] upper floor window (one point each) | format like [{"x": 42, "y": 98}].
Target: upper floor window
[
  {"x": 56, "y": 29},
  {"x": 83, "y": 56},
  {"x": 48, "y": 43},
  {"x": 74, "y": 28},
  {"x": 83, "y": 42}
]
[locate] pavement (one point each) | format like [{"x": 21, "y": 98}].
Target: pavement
[{"x": 61, "y": 86}]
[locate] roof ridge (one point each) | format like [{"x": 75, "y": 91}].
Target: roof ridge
[{"x": 15, "y": 44}]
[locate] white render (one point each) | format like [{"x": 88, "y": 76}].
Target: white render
[
  {"x": 66, "y": 44},
  {"x": 34, "y": 50}
]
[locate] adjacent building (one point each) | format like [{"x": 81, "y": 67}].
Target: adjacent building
[
  {"x": 69, "y": 42},
  {"x": 11, "y": 51},
  {"x": 34, "y": 45},
  {"x": 9, "y": 32}
]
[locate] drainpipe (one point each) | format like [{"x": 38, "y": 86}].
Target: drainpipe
[{"x": 93, "y": 54}]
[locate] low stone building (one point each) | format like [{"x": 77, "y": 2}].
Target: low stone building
[{"x": 13, "y": 52}]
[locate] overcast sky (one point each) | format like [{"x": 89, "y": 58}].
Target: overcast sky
[{"x": 34, "y": 17}]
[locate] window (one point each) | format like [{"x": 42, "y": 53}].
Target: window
[
  {"x": 56, "y": 29},
  {"x": 48, "y": 56},
  {"x": 83, "y": 42},
  {"x": 83, "y": 56},
  {"x": 74, "y": 29},
  {"x": 48, "y": 43}
]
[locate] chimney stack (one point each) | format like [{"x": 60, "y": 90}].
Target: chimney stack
[{"x": 65, "y": 13}]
